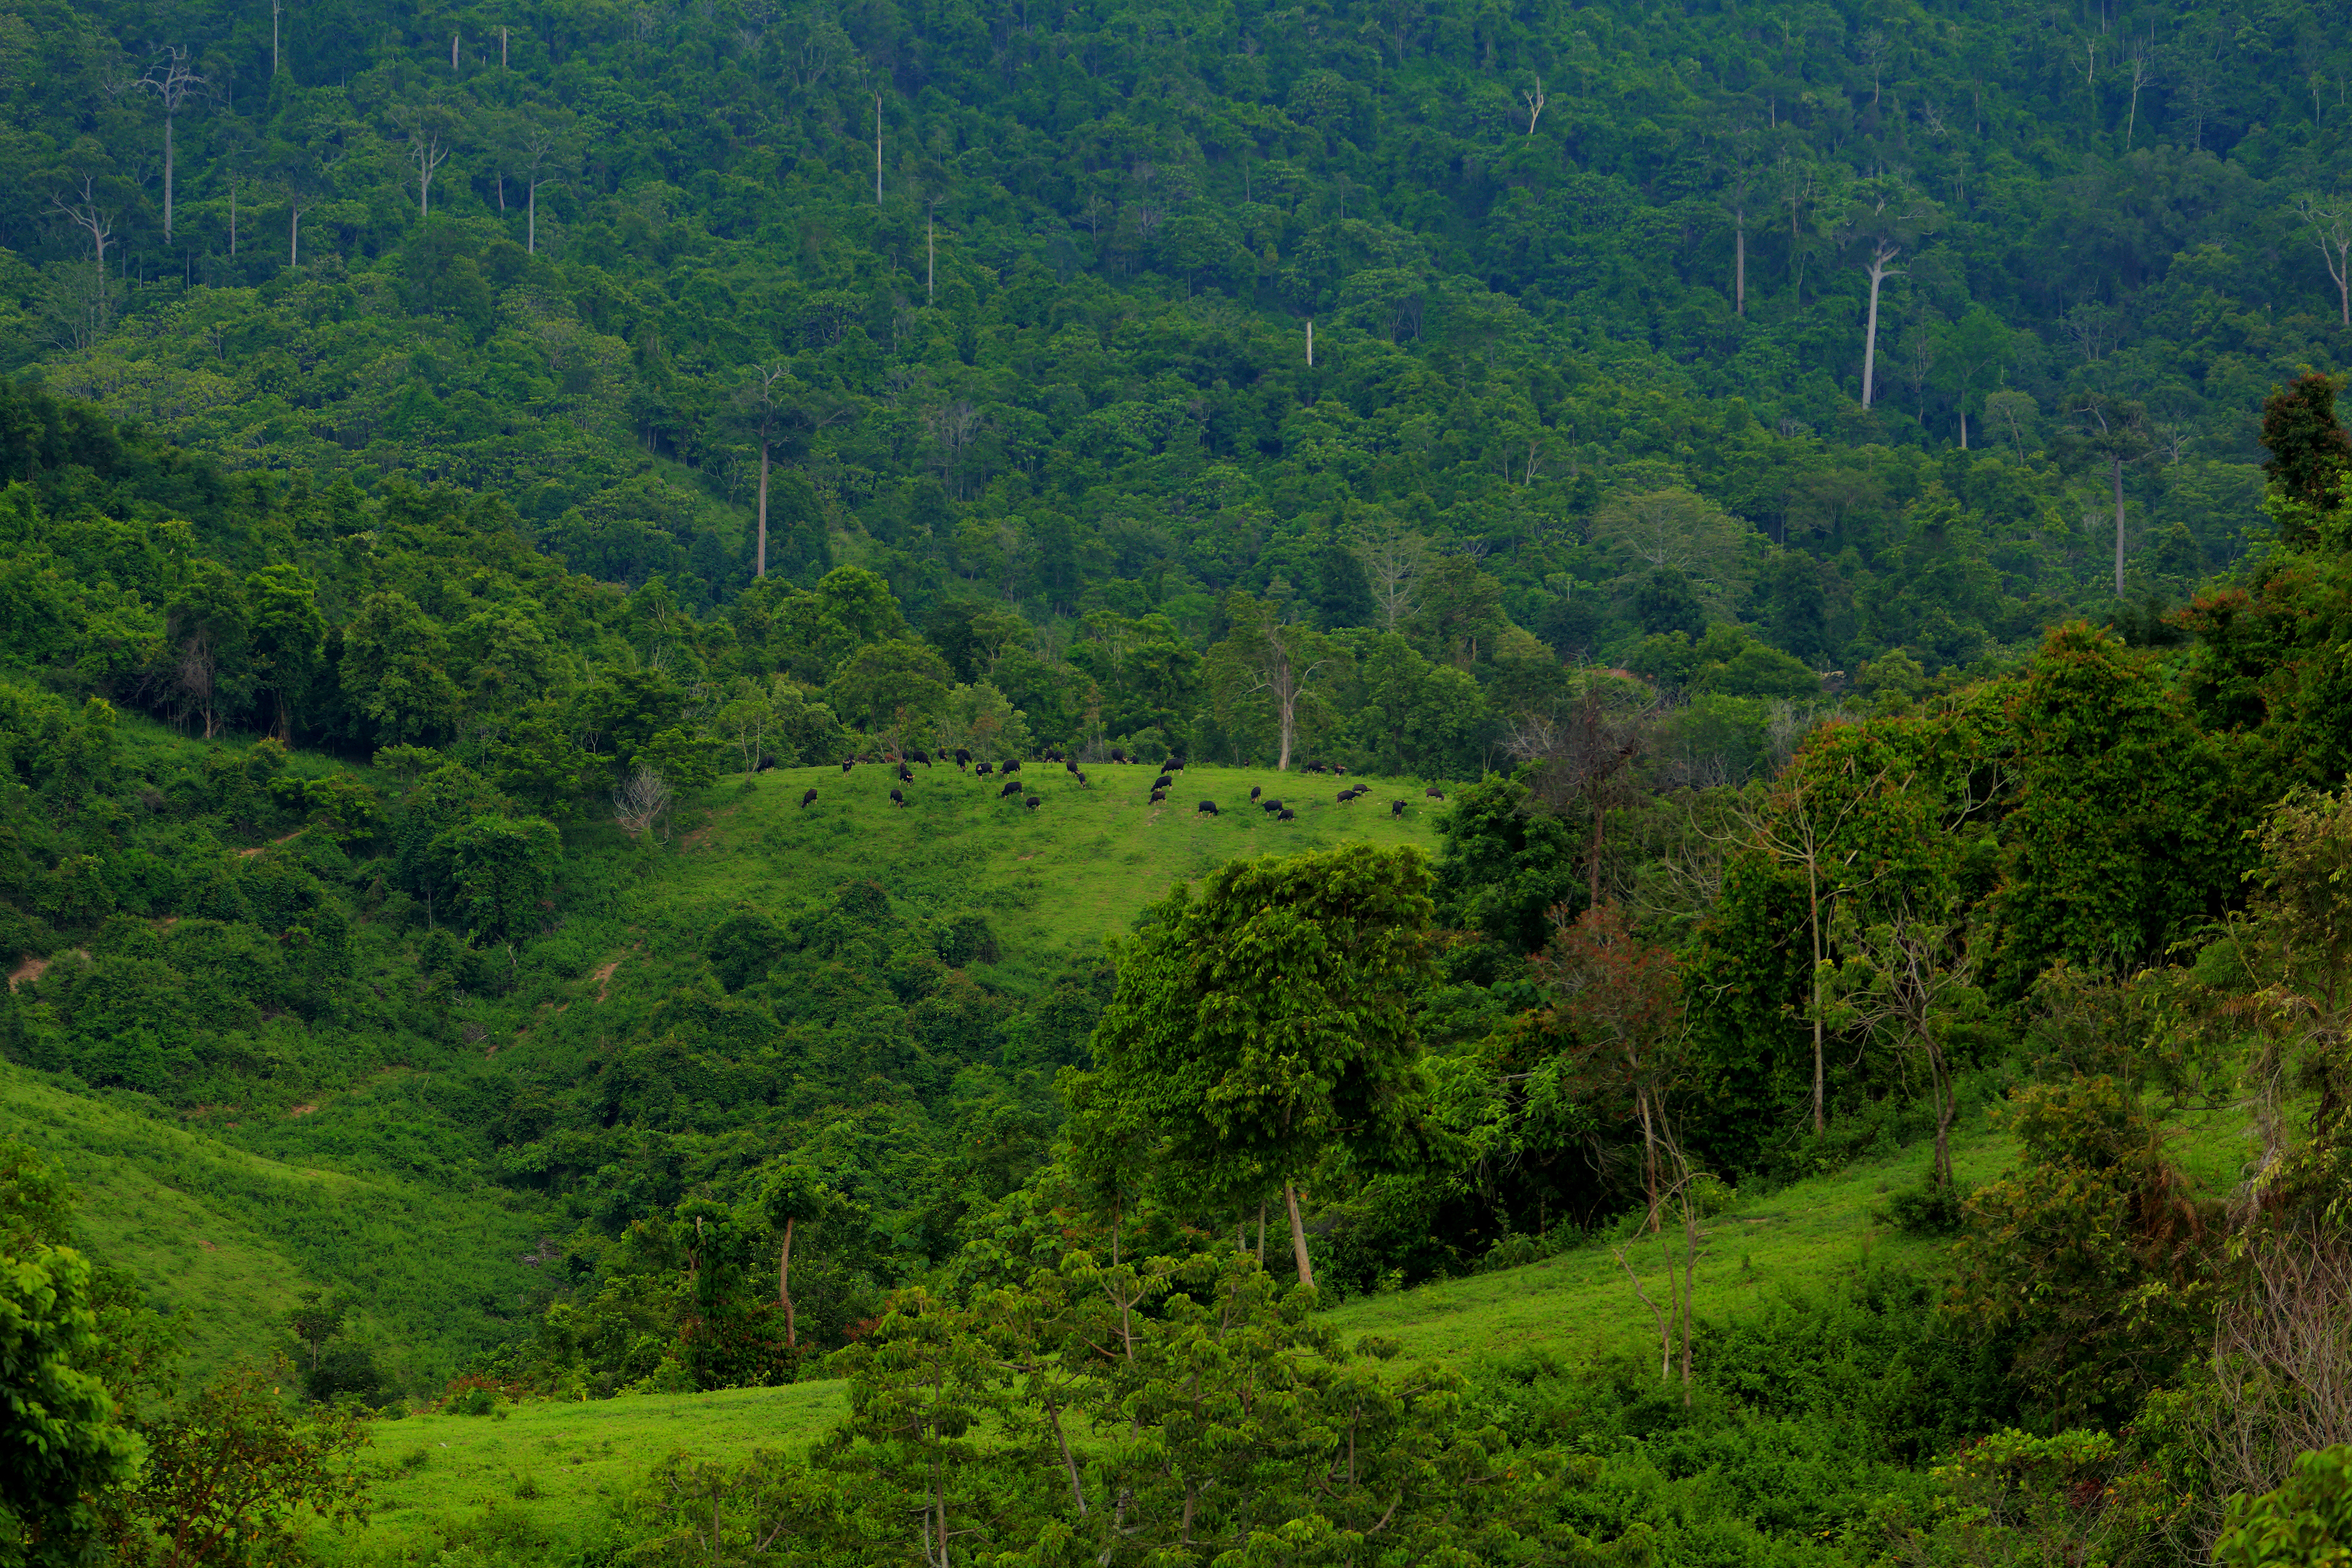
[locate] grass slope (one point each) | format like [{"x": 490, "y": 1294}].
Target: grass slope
[
  {"x": 226, "y": 1215},
  {"x": 1055, "y": 879},
  {"x": 1578, "y": 1308},
  {"x": 544, "y": 1474},
  {"x": 1575, "y": 1309},
  {"x": 229, "y": 1235}
]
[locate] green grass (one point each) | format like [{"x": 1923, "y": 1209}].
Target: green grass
[
  {"x": 1055, "y": 879},
  {"x": 1580, "y": 1308},
  {"x": 145, "y": 1203},
  {"x": 546, "y": 1472},
  {"x": 229, "y": 1235},
  {"x": 1574, "y": 1309}
]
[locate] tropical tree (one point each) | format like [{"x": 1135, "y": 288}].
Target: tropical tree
[{"x": 1264, "y": 1028}]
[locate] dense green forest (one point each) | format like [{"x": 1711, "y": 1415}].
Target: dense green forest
[{"x": 996, "y": 705}]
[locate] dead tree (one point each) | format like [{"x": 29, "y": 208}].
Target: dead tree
[{"x": 171, "y": 80}]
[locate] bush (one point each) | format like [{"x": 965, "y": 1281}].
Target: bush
[
  {"x": 2307, "y": 1521},
  {"x": 344, "y": 1372},
  {"x": 1929, "y": 1210}
]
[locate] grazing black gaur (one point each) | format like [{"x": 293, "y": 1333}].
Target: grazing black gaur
[
  {"x": 963, "y": 758},
  {"x": 846, "y": 762},
  {"x": 1069, "y": 765},
  {"x": 1117, "y": 756},
  {"x": 1272, "y": 806},
  {"x": 1012, "y": 767},
  {"x": 765, "y": 763},
  {"x": 906, "y": 774},
  {"x": 1396, "y": 809},
  {"x": 982, "y": 769},
  {"x": 1012, "y": 787},
  {"x": 1208, "y": 805},
  {"x": 1162, "y": 782},
  {"x": 1255, "y": 791},
  {"x": 1287, "y": 814},
  {"x": 808, "y": 800},
  {"x": 1158, "y": 795},
  {"x": 1035, "y": 801},
  {"x": 897, "y": 798},
  {"x": 922, "y": 757},
  {"x": 1082, "y": 781},
  {"x": 1345, "y": 795},
  {"x": 1433, "y": 792}
]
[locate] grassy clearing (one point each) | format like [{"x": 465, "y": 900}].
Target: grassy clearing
[
  {"x": 1055, "y": 879},
  {"x": 229, "y": 1236},
  {"x": 547, "y": 1473},
  {"x": 1574, "y": 1311},
  {"x": 149, "y": 1201},
  {"x": 1578, "y": 1308}
]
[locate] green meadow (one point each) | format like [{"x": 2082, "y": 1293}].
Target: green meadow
[{"x": 1056, "y": 877}]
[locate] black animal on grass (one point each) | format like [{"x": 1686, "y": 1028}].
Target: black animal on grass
[
  {"x": 1255, "y": 791},
  {"x": 1271, "y": 806},
  {"x": 1117, "y": 756},
  {"x": 922, "y": 757},
  {"x": 1317, "y": 768},
  {"x": 1162, "y": 782},
  {"x": 906, "y": 774},
  {"x": 1069, "y": 765},
  {"x": 1082, "y": 779},
  {"x": 1340, "y": 771},
  {"x": 963, "y": 758},
  {"x": 1158, "y": 795},
  {"x": 807, "y": 800},
  {"x": 1433, "y": 792},
  {"x": 1012, "y": 787},
  {"x": 1287, "y": 814},
  {"x": 1053, "y": 753},
  {"x": 846, "y": 762},
  {"x": 766, "y": 763},
  {"x": 897, "y": 798},
  {"x": 982, "y": 769},
  {"x": 1208, "y": 805},
  {"x": 1345, "y": 797},
  {"x": 1013, "y": 767},
  {"x": 1396, "y": 809},
  {"x": 1035, "y": 801}
]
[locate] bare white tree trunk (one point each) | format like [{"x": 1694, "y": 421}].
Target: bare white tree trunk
[
  {"x": 1880, "y": 267},
  {"x": 1739, "y": 264},
  {"x": 761, "y": 570},
  {"x": 1299, "y": 1237}
]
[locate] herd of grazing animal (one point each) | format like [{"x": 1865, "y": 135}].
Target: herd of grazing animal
[{"x": 901, "y": 765}]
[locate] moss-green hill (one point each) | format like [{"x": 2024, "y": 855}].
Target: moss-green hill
[
  {"x": 1056, "y": 877},
  {"x": 227, "y": 1236},
  {"x": 380, "y": 1180}
]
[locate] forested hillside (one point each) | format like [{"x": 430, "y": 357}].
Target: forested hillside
[
  {"x": 997, "y": 704},
  {"x": 1020, "y": 304}
]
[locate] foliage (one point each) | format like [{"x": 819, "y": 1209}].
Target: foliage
[
  {"x": 2306, "y": 1521},
  {"x": 231, "y": 1477},
  {"x": 1263, "y": 1028},
  {"x": 2092, "y": 1260}
]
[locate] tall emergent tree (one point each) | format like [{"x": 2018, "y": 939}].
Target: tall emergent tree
[
  {"x": 1264, "y": 1026},
  {"x": 1267, "y": 666},
  {"x": 791, "y": 1196}
]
